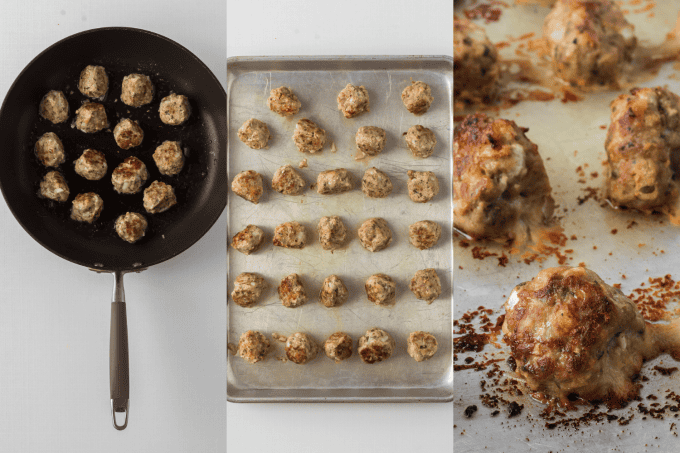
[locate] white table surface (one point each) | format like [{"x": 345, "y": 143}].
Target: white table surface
[
  {"x": 351, "y": 27},
  {"x": 54, "y": 315}
]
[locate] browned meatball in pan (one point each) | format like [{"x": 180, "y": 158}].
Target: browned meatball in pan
[
  {"x": 131, "y": 227},
  {"x": 137, "y": 90},
  {"x": 94, "y": 82},
  {"x": 159, "y": 197},
  {"x": 91, "y": 165},
  {"x": 86, "y": 207},
  {"x": 91, "y": 118},
  {"x": 54, "y": 187},
  {"x": 169, "y": 158},
  {"x": 283, "y": 101},
  {"x": 174, "y": 109},
  {"x": 129, "y": 176},
  {"x": 54, "y": 107},
  {"x": 128, "y": 134},
  {"x": 49, "y": 150}
]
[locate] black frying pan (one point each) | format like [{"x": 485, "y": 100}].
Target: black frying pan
[{"x": 200, "y": 187}]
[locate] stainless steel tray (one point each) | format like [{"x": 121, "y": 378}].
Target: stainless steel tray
[{"x": 317, "y": 81}]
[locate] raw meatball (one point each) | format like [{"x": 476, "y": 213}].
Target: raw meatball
[
  {"x": 288, "y": 181},
  {"x": 309, "y": 137},
  {"x": 590, "y": 41},
  {"x": 137, "y": 90},
  {"x": 338, "y": 347},
  {"x": 159, "y": 197},
  {"x": 421, "y": 141},
  {"x": 54, "y": 107},
  {"x": 421, "y": 345},
  {"x": 249, "y": 240},
  {"x": 283, "y": 101},
  {"x": 131, "y": 227},
  {"x": 375, "y": 235},
  {"x": 248, "y": 288},
  {"x": 54, "y": 187},
  {"x": 291, "y": 291},
  {"x": 169, "y": 158},
  {"x": 87, "y": 207},
  {"x": 475, "y": 63},
  {"x": 248, "y": 185},
  {"x": 128, "y": 134},
  {"x": 254, "y": 133},
  {"x": 371, "y": 140},
  {"x": 353, "y": 101},
  {"x": 423, "y": 186},
  {"x": 253, "y": 346},
  {"x": 426, "y": 285},
  {"x": 91, "y": 117},
  {"x": 376, "y": 346},
  {"x": 49, "y": 150},
  {"x": 417, "y": 97},
  {"x": 174, "y": 109},
  {"x": 332, "y": 232},
  {"x": 94, "y": 82},
  {"x": 301, "y": 348},
  {"x": 424, "y": 234},
  {"x": 91, "y": 165},
  {"x": 129, "y": 176},
  {"x": 376, "y": 184},
  {"x": 333, "y": 181},
  {"x": 333, "y": 292},
  {"x": 381, "y": 290},
  {"x": 291, "y": 235}
]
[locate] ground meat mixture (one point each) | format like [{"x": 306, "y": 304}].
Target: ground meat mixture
[
  {"x": 248, "y": 240},
  {"x": 290, "y": 235},
  {"x": 137, "y": 90},
  {"x": 159, "y": 197},
  {"x": 169, "y": 158},
  {"x": 353, "y": 101},
  {"x": 254, "y": 133},
  {"x": 421, "y": 141},
  {"x": 248, "y": 185},
  {"x": 374, "y": 234},
  {"x": 91, "y": 165},
  {"x": 131, "y": 227},
  {"x": 421, "y": 345},
  {"x": 423, "y": 186},
  {"x": 371, "y": 140},
  {"x": 49, "y": 150},
  {"x": 54, "y": 187},
  {"x": 128, "y": 134},
  {"x": 301, "y": 348},
  {"x": 334, "y": 181},
  {"x": 54, "y": 107},
  {"x": 174, "y": 109},
  {"x": 475, "y": 63},
  {"x": 424, "y": 234},
  {"x": 283, "y": 101},
  {"x": 129, "y": 176},
  {"x": 288, "y": 181},
  {"x": 291, "y": 291},
  {"x": 248, "y": 288},
  {"x": 425, "y": 285},
  {"x": 253, "y": 346},
  {"x": 87, "y": 207},
  {"x": 333, "y": 292},
  {"x": 381, "y": 290},
  {"x": 338, "y": 347},
  {"x": 91, "y": 118},
  {"x": 332, "y": 232},
  {"x": 376, "y": 346},
  {"x": 376, "y": 184},
  {"x": 94, "y": 82},
  {"x": 308, "y": 137},
  {"x": 417, "y": 97}
]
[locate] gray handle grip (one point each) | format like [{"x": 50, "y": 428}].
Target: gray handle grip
[{"x": 119, "y": 364}]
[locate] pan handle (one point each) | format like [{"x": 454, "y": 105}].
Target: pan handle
[{"x": 118, "y": 355}]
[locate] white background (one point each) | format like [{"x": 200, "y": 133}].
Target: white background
[
  {"x": 351, "y": 27},
  {"x": 54, "y": 315}
]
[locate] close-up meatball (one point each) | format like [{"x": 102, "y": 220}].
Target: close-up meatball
[
  {"x": 423, "y": 186},
  {"x": 424, "y": 234},
  {"x": 169, "y": 158},
  {"x": 93, "y": 83},
  {"x": 91, "y": 118},
  {"x": 333, "y": 292},
  {"x": 129, "y": 176},
  {"x": 375, "y": 235},
  {"x": 421, "y": 141},
  {"x": 174, "y": 109},
  {"x": 131, "y": 227},
  {"x": 417, "y": 97},
  {"x": 291, "y": 291},
  {"x": 290, "y": 235},
  {"x": 376, "y": 184},
  {"x": 254, "y": 133},
  {"x": 248, "y": 289},
  {"x": 370, "y": 140},
  {"x": 137, "y": 90},
  {"x": 334, "y": 181},
  {"x": 308, "y": 137},
  {"x": 381, "y": 290},
  {"x": 248, "y": 240},
  {"x": 421, "y": 345},
  {"x": 128, "y": 134},
  {"x": 248, "y": 185},
  {"x": 301, "y": 348},
  {"x": 283, "y": 101},
  {"x": 91, "y": 165},
  {"x": 425, "y": 285},
  {"x": 159, "y": 197},
  {"x": 49, "y": 150},
  {"x": 377, "y": 345},
  {"x": 54, "y": 107},
  {"x": 288, "y": 181},
  {"x": 338, "y": 347},
  {"x": 475, "y": 63},
  {"x": 253, "y": 346},
  {"x": 353, "y": 101},
  {"x": 332, "y": 232},
  {"x": 86, "y": 207},
  {"x": 54, "y": 187}
]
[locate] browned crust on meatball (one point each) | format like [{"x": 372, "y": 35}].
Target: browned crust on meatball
[
  {"x": 353, "y": 101},
  {"x": 417, "y": 97},
  {"x": 424, "y": 234},
  {"x": 248, "y": 240},
  {"x": 248, "y": 185},
  {"x": 301, "y": 348},
  {"x": 475, "y": 63},
  {"x": 377, "y": 345},
  {"x": 283, "y": 101},
  {"x": 253, "y": 346},
  {"x": 291, "y": 291},
  {"x": 338, "y": 347}
]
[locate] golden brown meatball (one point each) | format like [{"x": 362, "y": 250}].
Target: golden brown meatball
[
  {"x": 249, "y": 240},
  {"x": 334, "y": 181},
  {"x": 137, "y": 90},
  {"x": 174, "y": 109},
  {"x": 159, "y": 197},
  {"x": 421, "y": 345},
  {"x": 308, "y": 137},
  {"x": 301, "y": 348},
  {"x": 376, "y": 184},
  {"x": 94, "y": 82},
  {"x": 381, "y": 290},
  {"x": 91, "y": 118},
  {"x": 129, "y": 176},
  {"x": 54, "y": 187},
  {"x": 291, "y": 291},
  {"x": 248, "y": 185},
  {"x": 169, "y": 158},
  {"x": 128, "y": 134},
  {"x": 332, "y": 232},
  {"x": 375, "y": 234},
  {"x": 421, "y": 141},
  {"x": 288, "y": 181},
  {"x": 424, "y": 234},
  {"x": 49, "y": 150},
  {"x": 248, "y": 289},
  {"x": 370, "y": 140},
  {"x": 86, "y": 207},
  {"x": 425, "y": 285},
  {"x": 338, "y": 347},
  {"x": 253, "y": 346},
  {"x": 290, "y": 235},
  {"x": 131, "y": 227},
  {"x": 283, "y": 101},
  {"x": 353, "y": 101},
  {"x": 423, "y": 186},
  {"x": 54, "y": 107},
  {"x": 333, "y": 292},
  {"x": 417, "y": 97},
  {"x": 377, "y": 345},
  {"x": 475, "y": 63},
  {"x": 91, "y": 165},
  {"x": 254, "y": 133}
]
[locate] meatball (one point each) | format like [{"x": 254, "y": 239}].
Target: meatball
[
  {"x": 376, "y": 346},
  {"x": 131, "y": 227},
  {"x": 424, "y": 234},
  {"x": 423, "y": 186},
  {"x": 374, "y": 234},
  {"x": 254, "y": 133},
  {"x": 371, "y": 140},
  {"x": 426, "y": 285},
  {"x": 253, "y": 346},
  {"x": 288, "y": 181},
  {"x": 333, "y": 292},
  {"x": 49, "y": 150},
  {"x": 248, "y": 185},
  {"x": 137, "y": 90},
  {"x": 421, "y": 345},
  {"x": 91, "y": 118},
  {"x": 87, "y": 207},
  {"x": 174, "y": 109},
  {"x": 500, "y": 186},
  {"x": 381, "y": 290},
  {"x": 91, "y": 165},
  {"x": 54, "y": 187},
  {"x": 291, "y": 291},
  {"x": 159, "y": 197},
  {"x": 54, "y": 107},
  {"x": 338, "y": 347},
  {"x": 301, "y": 348},
  {"x": 376, "y": 184},
  {"x": 332, "y": 232},
  {"x": 249, "y": 240},
  {"x": 248, "y": 288},
  {"x": 353, "y": 101},
  {"x": 334, "y": 181},
  {"x": 308, "y": 137},
  {"x": 129, "y": 176},
  {"x": 290, "y": 235},
  {"x": 94, "y": 82},
  {"x": 421, "y": 141},
  {"x": 475, "y": 63},
  {"x": 589, "y": 41},
  {"x": 128, "y": 134},
  {"x": 169, "y": 158},
  {"x": 417, "y": 97},
  {"x": 283, "y": 101}
]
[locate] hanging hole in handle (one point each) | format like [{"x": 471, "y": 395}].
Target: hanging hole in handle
[{"x": 120, "y": 406}]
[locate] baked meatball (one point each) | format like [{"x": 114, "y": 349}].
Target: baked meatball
[
  {"x": 91, "y": 118},
  {"x": 288, "y": 181},
  {"x": 248, "y": 288},
  {"x": 353, "y": 101},
  {"x": 370, "y": 140},
  {"x": 159, "y": 197},
  {"x": 308, "y": 137},
  {"x": 424, "y": 234},
  {"x": 334, "y": 181},
  {"x": 417, "y": 97},
  {"x": 254, "y": 133},
  {"x": 338, "y": 347},
  {"x": 249, "y": 240},
  {"x": 131, "y": 227},
  {"x": 590, "y": 41},
  {"x": 174, "y": 109},
  {"x": 248, "y": 185},
  {"x": 283, "y": 101},
  {"x": 475, "y": 63},
  {"x": 500, "y": 187},
  {"x": 91, "y": 165},
  {"x": 169, "y": 158},
  {"x": 301, "y": 348},
  {"x": 128, "y": 134},
  {"x": 376, "y": 184},
  {"x": 381, "y": 290},
  {"x": 54, "y": 107},
  {"x": 129, "y": 176},
  {"x": 421, "y": 141},
  {"x": 332, "y": 232},
  {"x": 376, "y": 346},
  {"x": 290, "y": 235},
  {"x": 425, "y": 285},
  {"x": 86, "y": 207},
  {"x": 93, "y": 83},
  {"x": 291, "y": 291},
  {"x": 333, "y": 292},
  {"x": 374, "y": 234},
  {"x": 253, "y": 346},
  {"x": 137, "y": 90},
  {"x": 54, "y": 187},
  {"x": 421, "y": 345},
  {"x": 423, "y": 186},
  {"x": 49, "y": 150}
]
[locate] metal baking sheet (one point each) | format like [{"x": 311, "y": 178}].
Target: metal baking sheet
[{"x": 317, "y": 82}]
